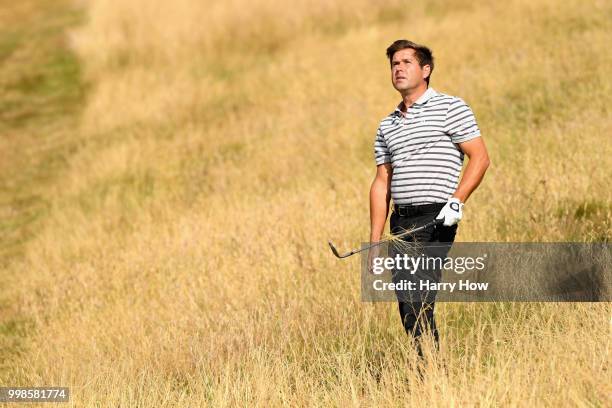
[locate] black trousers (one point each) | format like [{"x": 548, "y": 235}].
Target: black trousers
[{"x": 417, "y": 312}]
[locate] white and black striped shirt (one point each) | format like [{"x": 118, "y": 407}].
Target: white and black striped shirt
[{"x": 421, "y": 146}]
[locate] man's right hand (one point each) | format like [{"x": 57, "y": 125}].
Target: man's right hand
[{"x": 372, "y": 254}]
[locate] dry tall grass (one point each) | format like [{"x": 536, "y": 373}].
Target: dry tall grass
[{"x": 184, "y": 259}]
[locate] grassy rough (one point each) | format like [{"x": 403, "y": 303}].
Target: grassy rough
[
  {"x": 186, "y": 235},
  {"x": 42, "y": 91}
]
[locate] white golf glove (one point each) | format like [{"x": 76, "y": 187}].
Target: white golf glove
[{"x": 451, "y": 212}]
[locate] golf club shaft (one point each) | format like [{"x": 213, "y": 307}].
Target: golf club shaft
[{"x": 403, "y": 234}]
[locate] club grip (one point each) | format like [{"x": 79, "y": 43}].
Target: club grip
[{"x": 438, "y": 221}]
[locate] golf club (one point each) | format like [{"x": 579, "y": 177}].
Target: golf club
[{"x": 412, "y": 231}]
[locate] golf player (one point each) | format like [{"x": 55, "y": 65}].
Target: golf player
[{"x": 419, "y": 150}]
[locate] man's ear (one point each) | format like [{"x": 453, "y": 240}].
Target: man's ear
[{"x": 426, "y": 71}]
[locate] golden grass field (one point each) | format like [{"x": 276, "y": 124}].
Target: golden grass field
[{"x": 171, "y": 173}]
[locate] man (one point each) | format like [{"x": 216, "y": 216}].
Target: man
[{"x": 419, "y": 151}]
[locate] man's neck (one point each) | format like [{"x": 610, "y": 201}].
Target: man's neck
[{"x": 410, "y": 96}]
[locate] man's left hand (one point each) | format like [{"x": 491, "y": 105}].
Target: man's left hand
[{"x": 452, "y": 212}]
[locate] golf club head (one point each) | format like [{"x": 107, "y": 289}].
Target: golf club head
[{"x": 334, "y": 250}]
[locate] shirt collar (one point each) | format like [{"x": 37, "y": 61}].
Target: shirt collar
[{"x": 420, "y": 101}]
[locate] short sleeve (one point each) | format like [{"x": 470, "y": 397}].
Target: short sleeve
[
  {"x": 381, "y": 152},
  {"x": 460, "y": 123}
]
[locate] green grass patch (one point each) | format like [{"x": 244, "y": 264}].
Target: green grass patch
[{"x": 42, "y": 94}]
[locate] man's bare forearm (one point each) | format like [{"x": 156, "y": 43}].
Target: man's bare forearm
[
  {"x": 474, "y": 172},
  {"x": 380, "y": 195}
]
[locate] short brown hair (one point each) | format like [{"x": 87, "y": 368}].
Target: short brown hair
[{"x": 422, "y": 53}]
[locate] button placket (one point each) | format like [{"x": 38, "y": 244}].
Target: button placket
[{"x": 413, "y": 116}]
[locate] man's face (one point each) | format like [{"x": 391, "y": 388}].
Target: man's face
[{"x": 406, "y": 73}]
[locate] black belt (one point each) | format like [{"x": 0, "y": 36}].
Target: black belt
[{"x": 406, "y": 210}]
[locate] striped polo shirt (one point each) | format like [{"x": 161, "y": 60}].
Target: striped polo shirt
[{"x": 421, "y": 146}]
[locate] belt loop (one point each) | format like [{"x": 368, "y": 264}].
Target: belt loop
[{"x": 398, "y": 210}]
